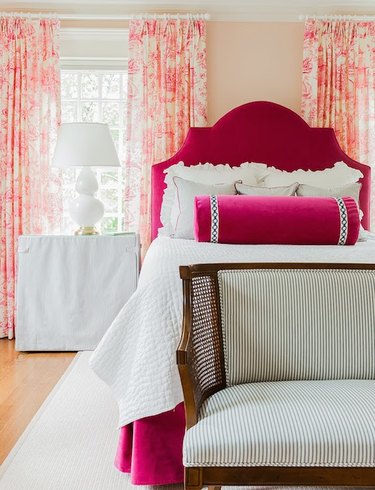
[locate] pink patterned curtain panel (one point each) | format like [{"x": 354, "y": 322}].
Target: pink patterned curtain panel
[
  {"x": 339, "y": 84},
  {"x": 166, "y": 95},
  {"x": 29, "y": 111}
]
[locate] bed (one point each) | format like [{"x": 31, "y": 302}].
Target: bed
[{"x": 136, "y": 357}]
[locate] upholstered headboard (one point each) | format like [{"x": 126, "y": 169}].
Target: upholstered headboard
[{"x": 262, "y": 132}]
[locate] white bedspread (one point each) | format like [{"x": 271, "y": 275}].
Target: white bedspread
[{"x": 137, "y": 355}]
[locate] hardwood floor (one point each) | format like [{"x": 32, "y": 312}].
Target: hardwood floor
[{"x": 25, "y": 381}]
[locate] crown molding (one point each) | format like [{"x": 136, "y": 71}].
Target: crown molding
[{"x": 218, "y": 10}]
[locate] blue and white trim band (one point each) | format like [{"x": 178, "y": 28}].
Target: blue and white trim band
[
  {"x": 343, "y": 221},
  {"x": 214, "y": 219}
]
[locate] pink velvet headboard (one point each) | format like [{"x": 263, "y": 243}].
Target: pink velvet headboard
[{"x": 262, "y": 132}]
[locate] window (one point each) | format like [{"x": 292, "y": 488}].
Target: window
[{"x": 89, "y": 95}]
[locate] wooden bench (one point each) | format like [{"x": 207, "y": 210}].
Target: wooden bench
[{"x": 277, "y": 363}]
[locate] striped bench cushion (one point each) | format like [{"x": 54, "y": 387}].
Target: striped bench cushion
[
  {"x": 286, "y": 423},
  {"x": 298, "y": 324}
]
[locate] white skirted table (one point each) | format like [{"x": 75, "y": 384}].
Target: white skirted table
[{"x": 70, "y": 288}]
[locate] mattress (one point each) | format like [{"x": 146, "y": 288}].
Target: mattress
[{"x": 137, "y": 355}]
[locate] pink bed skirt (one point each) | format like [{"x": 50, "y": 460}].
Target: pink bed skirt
[{"x": 150, "y": 449}]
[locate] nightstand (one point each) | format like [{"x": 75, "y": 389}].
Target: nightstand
[{"x": 70, "y": 288}]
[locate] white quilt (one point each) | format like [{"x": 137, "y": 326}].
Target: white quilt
[{"x": 137, "y": 355}]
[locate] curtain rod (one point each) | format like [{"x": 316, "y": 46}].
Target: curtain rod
[
  {"x": 360, "y": 18},
  {"x": 62, "y": 16},
  {"x": 29, "y": 15},
  {"x": 171, "y": 16}
]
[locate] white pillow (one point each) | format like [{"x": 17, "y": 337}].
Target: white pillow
[
  {"x": 339, "y": 175},
  {"x": 252, "y": 190},
  {"x": 186, "y": 192},
  {"x": 365, "y": 235},
  {"x": 206, "y": 173},
  {"x": 351, "y": 190}
]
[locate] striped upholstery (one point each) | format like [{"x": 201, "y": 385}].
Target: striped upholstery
[
  {"x": 286, "y": 423},
  {"x": 298, "y": 324}
]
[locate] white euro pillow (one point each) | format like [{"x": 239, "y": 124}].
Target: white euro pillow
[
  {"x": 252, "y": 190},
  {"x": 351, "y": 190},
  {"x": 340, "y": 174},
  {"x": 183, "y": 216},
  {"x": 207, "y": 173}
]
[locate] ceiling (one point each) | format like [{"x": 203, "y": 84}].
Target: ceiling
[{"x": 223, "y": 10}]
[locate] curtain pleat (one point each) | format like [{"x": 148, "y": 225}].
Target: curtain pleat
[
  {"x": 166, "y": 95},
  {"x": 339, "y": 85},
  {"x": 30, "y": 197}
]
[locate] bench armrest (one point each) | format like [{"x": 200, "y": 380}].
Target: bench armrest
[{"x": 200, "y": 356}]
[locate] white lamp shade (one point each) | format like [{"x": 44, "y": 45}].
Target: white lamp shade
[{"x": 85, "y": 144}]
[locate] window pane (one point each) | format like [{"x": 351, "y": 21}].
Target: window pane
[
  {"x": 68, "y": 177},
  {"x": 69, "y": 85},
  {"x": 111, "y": 113},
  {"x": 90, "y": 111},
  {"x": 109, "y": 198},
  {"x": 69, "y": 193},
  {"x": 115, "y": 136},
  {"x": 69, "y": 111},
  {"x": 122, "y": 142},
  {"x": 109, "y": 224},
  {"x": 89, "y": 86},
  {"x": 124, "y": 114},
  {"x": 125, "y": 82},
  {"x": 68, "y": 225},
  {"x": 110, "y": 178},
  {"x": 111, "y": 86}
]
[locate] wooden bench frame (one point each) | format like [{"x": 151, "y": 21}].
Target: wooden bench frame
[{"x": 199, "y": 384}]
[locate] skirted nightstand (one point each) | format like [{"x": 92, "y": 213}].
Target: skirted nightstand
[{"x": 70, "y": 288}]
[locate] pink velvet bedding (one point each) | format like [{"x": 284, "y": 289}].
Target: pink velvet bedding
[{"x": 150, "y": 449}]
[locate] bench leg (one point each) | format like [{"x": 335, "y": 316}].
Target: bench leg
[{"x": 193, "y": 479}]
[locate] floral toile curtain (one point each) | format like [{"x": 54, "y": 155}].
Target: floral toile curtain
[
  {"x": 339, "y": 85},
  {"x": 29, "y": 111},
  {"x": 166, "y": 95}
]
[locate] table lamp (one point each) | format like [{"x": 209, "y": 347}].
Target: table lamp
[{"x": 85, "y": 145}]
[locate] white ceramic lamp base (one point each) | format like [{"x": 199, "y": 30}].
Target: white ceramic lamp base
[{"x": 86, "y": 210}]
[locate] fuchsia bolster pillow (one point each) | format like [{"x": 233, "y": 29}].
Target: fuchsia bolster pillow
[{"x": 276, "y": 220}]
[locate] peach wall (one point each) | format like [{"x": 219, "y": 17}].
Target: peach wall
[{"x": 253, "y": 61}]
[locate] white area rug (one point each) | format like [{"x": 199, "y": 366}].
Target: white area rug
[{"x": 71, "y": 442}]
